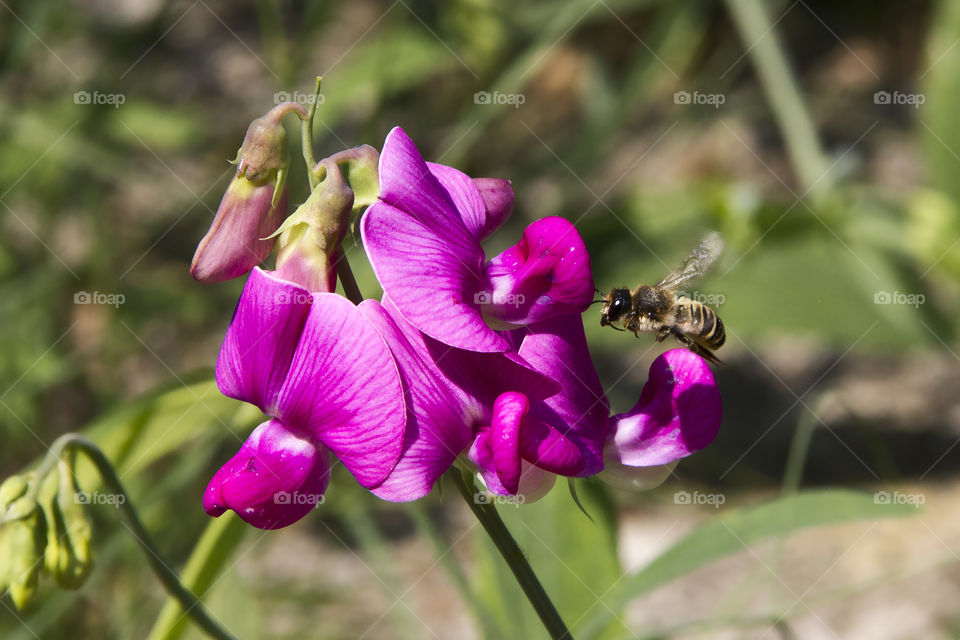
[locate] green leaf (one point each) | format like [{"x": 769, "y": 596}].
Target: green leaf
[{"x": 735, "y": 532}]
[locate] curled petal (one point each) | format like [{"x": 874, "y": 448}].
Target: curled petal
[
  {"x": 275, "y": 479},
  {"x": 238, "y": 238},
  {"x": 344, "y": 390},
  {"x": 546, "y": 274},
  {"x": 558, "y": 348},
  {"x": 261, "y": 339},
  {"x": 678, "y": 414}
]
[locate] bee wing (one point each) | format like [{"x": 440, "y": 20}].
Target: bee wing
[{"x": 696, "y": 263}]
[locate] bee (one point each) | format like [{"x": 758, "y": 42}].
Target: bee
[{"x": 660, "y": 310}]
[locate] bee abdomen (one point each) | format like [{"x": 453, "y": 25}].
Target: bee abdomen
[{"x": 710, "y": 327}]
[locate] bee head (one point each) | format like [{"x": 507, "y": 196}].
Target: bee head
[{"x": 615, "y": 304}]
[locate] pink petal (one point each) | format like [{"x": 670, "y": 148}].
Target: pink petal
[
  {"x": 558, "y": 348},
  {"x": 261, "y": 339},
  {"x": 344, "y": 389},
  {"x": 498, "y": 198},
  {"x": 431, "y": 275},
  {"x": 546, "y": 274},
  {"x": 678, "y": 413},
  {"x": 275, "y": 479},
  {"x": 438, "y": 420}
]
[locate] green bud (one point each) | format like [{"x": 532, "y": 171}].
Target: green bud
[
  {"x": 360, "y": 170},
  {"x": 75, "y": 560},
  {"x": 12, "y": 488},
  {"x": 22, "y": 540}
]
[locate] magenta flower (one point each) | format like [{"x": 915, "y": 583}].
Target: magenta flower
[
  {"x": 423, "y": 239},
  {"x": 320, "y": 370}
]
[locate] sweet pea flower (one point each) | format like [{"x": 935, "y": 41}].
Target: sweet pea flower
[
  {"x": 423, "y": 240},
  {"x": 327, "y": 382}
]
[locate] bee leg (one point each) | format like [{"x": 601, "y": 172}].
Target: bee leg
[{"x": 663, "y": 333}]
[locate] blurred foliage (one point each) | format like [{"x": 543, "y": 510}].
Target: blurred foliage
[{"x": 112, "y": 199}]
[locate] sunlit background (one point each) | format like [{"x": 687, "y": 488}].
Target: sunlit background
[{"x": 821, "y": 139}]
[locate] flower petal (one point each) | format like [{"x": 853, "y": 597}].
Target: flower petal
[
  {"x": 261, "y": 339},
  {"x": 558, "y": 348},
  {"x": 438, "y": 424},
  {"x": 498, "y": 198},
  {"x": 546, "y": 274},
  {"x": 344, "y": 389},
  {"x": 431, "y": 276},
  {"x": 678, "y": 413},
  {"x": 275, "y": 479}
]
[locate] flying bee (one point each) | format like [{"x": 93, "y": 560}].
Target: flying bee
[{"x": 660, "y": 310}]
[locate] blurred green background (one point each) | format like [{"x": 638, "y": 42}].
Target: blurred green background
[{"x": 820, "y": 138}]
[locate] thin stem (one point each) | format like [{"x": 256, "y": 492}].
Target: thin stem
[
  {"x": 190, "y": 603},
  {"x": 306, "y": 137},
  {"x": 350, "y": 287},
  {"x": 487, "y": 514},
  {"x": 207, "y": 560}
]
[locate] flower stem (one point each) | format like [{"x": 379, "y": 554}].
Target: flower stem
[
  {"x": 306, "y": 137},
  {"x": 190, "y": 603},
  {"x": 487, "y": 514},
  {"x": 350, "y": 287}
]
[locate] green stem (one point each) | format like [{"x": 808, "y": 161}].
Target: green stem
[
  {"x": 190, "y": 603},
  {"x": 487, "y": 514},
  {"x": 206, "y": 562},
  {"x": 306, "y": 137},
  {"x": 350, "y": 287},
  {"x": 766, "y": 52}
]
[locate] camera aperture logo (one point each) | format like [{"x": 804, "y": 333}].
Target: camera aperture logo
[
  {"x": 98, "y": 297},
  {"x": 912, "y": 299},
  {"x": 912, "y": 99},
  {"x": 709, "y": 299},
  {"x": 712, "y": 99},
  {"x": 286, "y": 497},
  {"x": 299, "y": 97},
  {"x": 500, "y": 299},
  {"x": 485, "y": 497},
  {"x": 485, "y": 97},
  {"x": 713, "y": 499},
  {"x": 97, "y": 97},
  {"x": 86, "y": 497},
  {"x": 294, "y": 297},
  {"x": 885, "y": 497}
]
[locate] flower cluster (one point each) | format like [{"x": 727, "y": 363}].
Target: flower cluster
[{"x": 465, "y": 359}]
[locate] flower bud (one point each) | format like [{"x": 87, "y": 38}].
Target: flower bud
[
  {"x": 22, "y": 538},
  {"x": 67, "y": 554},
  {"x": 253, "y": 206},
  {"x": 359, "y": 167},
  {"x": 310, "y": 238}
]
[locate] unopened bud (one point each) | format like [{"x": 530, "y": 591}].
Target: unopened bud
[
  {"x": 310, "y": 238},
  {"x": 360, "y": 169},
  {"x": 253, "y": 206},
  {"x": 22, "y": 539}
]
